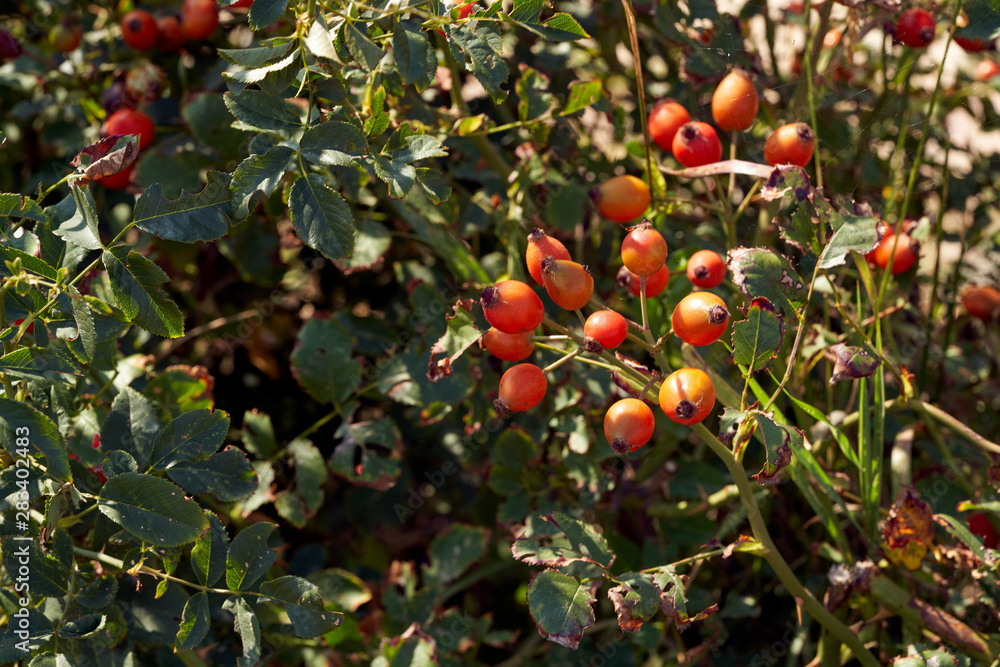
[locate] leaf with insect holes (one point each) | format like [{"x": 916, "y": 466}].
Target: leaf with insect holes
[
  {"x": 673, "y": 599},
  {"x": 763, "y": 272},
  {"x": 561, "y": 606},
  {"x": 779, "y": 441},
  {"x": 201, "y": 216},
  {"x": 357, "y": 462},
  {"x": 322, "y": 362},
  {"x": 303, "y": 604},
  {"x": 478, "y": 49},
  {"x": 195, "y": 622},
  {"x": 247, "y": 627},
  {"x": 107, "y": 157},
  {"x": 557, "y": 539},
  {"x": 19, "y": 206},
  {"x": 582, "y": 94},
  {"x": 460, "y": 335},
  {"x": 851, "y": 362},
  {"x": 757, "y": 339},
  {"x": 636, "y": 600}
]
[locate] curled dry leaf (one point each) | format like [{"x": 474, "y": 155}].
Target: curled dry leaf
[
  {"x": 107, "y": 157},
  {"x": 850, "y": 362}
]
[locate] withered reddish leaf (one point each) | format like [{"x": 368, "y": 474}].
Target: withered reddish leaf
[
  {"x": 460, "y": 335},
  {"x": 778, "y": 440},
  {"x": 909, "y": 531},
  {"x": 107, "y": 157},
  {"x": 851, "y": 362},
  {"x": 636, "y": 600},
  {"x": 673, "y": 600}
]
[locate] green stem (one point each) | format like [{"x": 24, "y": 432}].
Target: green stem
[
  {"x": 781, "y": 568},
  {"x": 114, "y": 562}
]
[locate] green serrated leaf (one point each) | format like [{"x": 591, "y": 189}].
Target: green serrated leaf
[
  {"x": 193, "y": 436},
  {"x": 41, "y": 364},
  {"x": 763, "y": 272},
  {"x": 134, "y": 282},
  {"x": 247, "y": 627},
  {"x": 130, "y": 426},
  {"x": 479, "y": 52},
  {"x": 379, "y": 119},
  {"x": 259, "y": 173},
  {"x": 227, "y": 475},
  {"x": 363, "y": 465},
  {"x": 208, "y": 555},
  {"x": 30, "y": 263},
  {"x": 249, "y": 557},
  {"x": 303, "y": 604},
  {"x": 257, "y": 56},
  {"x": 333, "y": 142},
  {"x": 365, "y": 51},
  {"x": 195, "y": 622},
  {"x": 22, "y": 426},
  {"x": 582, "y": 94},
  {"x": 454, "y": 551},
  {"x": 319, "y": 41},
  {"x": 265, "y": 12},
  {"x": 18, "y": 206},
  {"x": 256, "y": 109},
  {"x": 322, "y": 363},
  {"x": 74, "y": 219},
  {"x": 561, "y": 606},
  {"x": 757, "y": 339},
  {"x": 310, "y": 472},
  {"x": 852, "y": 232},
  {"x": 412, "y": 51},
  {"x": 84, "y": 323},
  {"x": 152, "y": 509},
  {"x": 321, "y": 217},
  {"x": 203, "y": 216},
  {"x": 46, "y": 576}
]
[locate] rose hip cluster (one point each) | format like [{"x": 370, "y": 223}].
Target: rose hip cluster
[{"x": 514, "y": 311}]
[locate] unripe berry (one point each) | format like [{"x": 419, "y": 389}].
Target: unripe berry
[
  {"x": 569, "y": 284},
  {"x": 540, "y": 246},
  {"x": 706, "y": 269},
  {"x": 644, "y": 250},
  {"x": 687, "y": 396},
  {"x": 512, "y": 307},
  {"x": 607, "y": 328},
  {"x": 522, "y": 387},
  {"x": 700, "y": 318},
  {"x": 628, "y": 425},
  {"x": 508, "y": 347}
]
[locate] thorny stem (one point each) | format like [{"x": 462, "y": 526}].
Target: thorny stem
[{"x": 114, "y": 562}]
